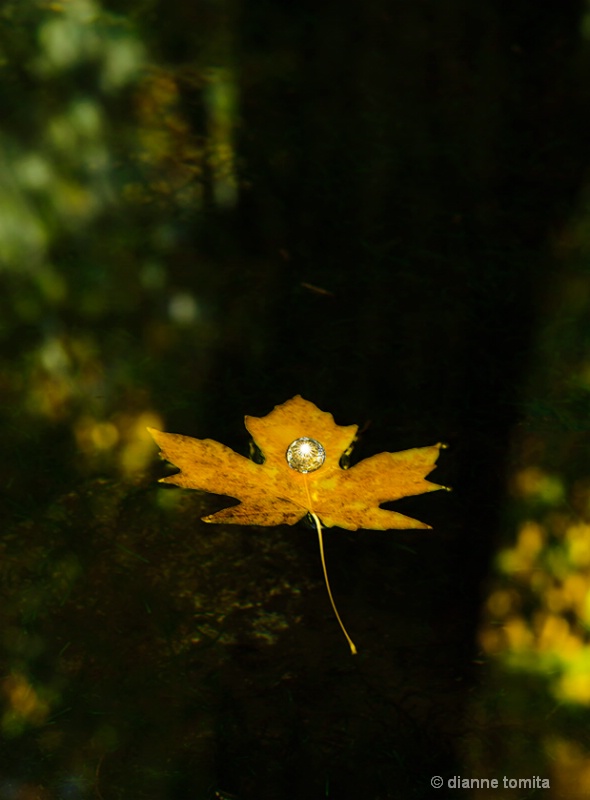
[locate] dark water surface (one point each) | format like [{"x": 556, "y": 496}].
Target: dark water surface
[{"x": 205, "y": 209}]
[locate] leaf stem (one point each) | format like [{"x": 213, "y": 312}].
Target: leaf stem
[{"x": 351, "y": 644}]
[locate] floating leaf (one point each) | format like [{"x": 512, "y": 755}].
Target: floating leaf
[{"x": 301, "y": 474}]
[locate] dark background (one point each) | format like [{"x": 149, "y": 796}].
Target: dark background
[{"x": 209, "y": 208}]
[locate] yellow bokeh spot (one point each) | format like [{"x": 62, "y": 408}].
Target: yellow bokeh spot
[
  {"x": 555, "y": 599},
  {"x": 532, "y": 483},
  {"x": 501, "y": 603},
  {"x": 555, "y": 635},
  {"x": 578, "y": 538},
  {"x": 137, "y": 449},
  {"x": 517, "y": 633},
  {"x": 530, "y": 539},
  {"x": 104, "y": 435},
  {"x": 574, "y": 688},
  {"x": 521, "y": 558},
  {"x": 125, "y": 439},
  {"x": 492, "y": 640},
  {"x": 570, "y": 768},
  {"x": 509, "y": 562},
  {"x": 575, "y": 591},
  {"x": 94, "y": 435},
  {"x": 24, "y": 706}
]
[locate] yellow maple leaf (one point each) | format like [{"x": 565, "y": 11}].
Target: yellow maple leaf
[
  {"x": 301, "y": 474},
  {"x": 274, "y": 492}
]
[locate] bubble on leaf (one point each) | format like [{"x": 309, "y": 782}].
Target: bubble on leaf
[{"x": 305, "y": 455}]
